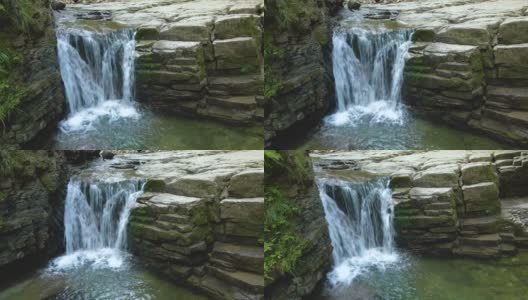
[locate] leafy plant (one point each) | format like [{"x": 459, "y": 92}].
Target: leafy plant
[
  {"x": 283, "y": 246},
  {"x": 11, "y": 93},
  {"x": 292, "y": 163},
  {"x": 9, "y": 161},
  {"x": 20, "y": 12}
]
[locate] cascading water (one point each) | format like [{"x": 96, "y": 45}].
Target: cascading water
[
  {"x": 97, "y": 69},
  {"x": 368, "y": 69},
  {"x": 95, "y": 220},
  {"x": 359, "y": 218}
]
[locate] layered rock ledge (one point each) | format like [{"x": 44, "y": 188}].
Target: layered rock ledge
[
  {"x": 32, "y": 97},
  {"x": 469, "y": 63},
  {"x": 299, "y": 81},
  {"x": 449, "y": 203},
  {"x": 201, "y": 218},
  {"x": 202, "y": 58}
]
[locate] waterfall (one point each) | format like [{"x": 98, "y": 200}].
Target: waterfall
[
  {"x": 368, "y": 70},
  {"x": 360, "y": 223},
  {"x": 97, "y": 69},
  {"x": 95, "y": 221}
]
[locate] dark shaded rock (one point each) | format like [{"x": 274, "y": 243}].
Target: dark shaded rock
[
  {"x": 353, "y": 5},
  {"x": 58, "y": 5},
  {"x": 107, "y": 154}
]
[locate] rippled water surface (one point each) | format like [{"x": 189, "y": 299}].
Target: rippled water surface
[
  {"x": 450, "y": 279},
  {"x": 158, "y": 132},
  {"x": 94, "y": 283},
  {"x": 412, "y": 132}
]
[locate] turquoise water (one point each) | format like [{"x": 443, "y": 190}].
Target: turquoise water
[
  {"x": 421, "y": 278},
  {"x": 153, "y": 131},
  {"x": 413, "y": 133},
  {"x": 87, "y": 282}
]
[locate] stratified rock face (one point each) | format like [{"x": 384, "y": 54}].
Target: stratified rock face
[
  {"x": 37, "y": 75},
  {"x": 469, "y": 63},
  {"x": 201, "y": 220},
  {"x": 310, "y": 225},
  {"x": 299, "y": 86},
  {"x": 31, "y": 206},
  {"x": 197, "y": 57},
  {"x": 449, "y": 202}
]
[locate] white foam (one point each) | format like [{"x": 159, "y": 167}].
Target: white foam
[
  {"x": 111, "y": 110},
  {"x": 375, "y": 258},
  {"x": 103, "y": 258},
  {"x": 375, "y": 112}
]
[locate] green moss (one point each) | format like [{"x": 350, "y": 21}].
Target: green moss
[
  {"x": 477, "y": 67},
  {"x": 11, "y": 93},
  {"x": 292, "y": 163},
  {"x": 423, "y": 35},
  {"x": 20, "y": 13},
  {"x": 248, "y": 69},
  {"x": 283, "y": 246},
  {"x": 136, "y": 229},
  {"x": 48, "y": 182},
  {"x": 200, "y": 217},
  {"x": 141, "y": 219},
  {"x": 406, "y": 212},
  {"x": 10, "y": 161},
  {"x": 3, "y": 196},
  {"x": 400, "y": 182},
  {"x": 272, "y": 55},
  {"x": 320, "y": 34},
  {"x": 294, "y": 14},
  {"x": 154, "y": 185},
  {"x": 142, "y": 211}
]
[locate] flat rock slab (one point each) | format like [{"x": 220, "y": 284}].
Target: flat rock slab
[
  {"x": 478, "y": 172},
  {"x": 431, "y": 194},
  {"x": 247, "y": 184},
  {"x": 439, "y": 176},
  {"x": 510, "y": 31}
]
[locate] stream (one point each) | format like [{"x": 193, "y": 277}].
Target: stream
[
  {"x": 96, "y": 264},
  {"x": 97, "y": 64},
  {"x": 370, "y": 113},
  {"x": 368, "y": 266}
]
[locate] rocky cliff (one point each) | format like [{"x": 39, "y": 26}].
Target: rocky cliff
[
  {"x": 469, "y": 63},
  {"x": 297, "y": 245},
  {"x": 32, "y": 186},
  {"x": 200, "y": 57},
  {"x": 31, "y": 91},
  {"x": 299, "y": 86},
  {"x": 200, "y": 220},
  {"x": 451, "y": 202}
]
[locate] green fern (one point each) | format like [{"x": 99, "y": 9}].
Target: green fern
[{"x": 20, "y": 12}]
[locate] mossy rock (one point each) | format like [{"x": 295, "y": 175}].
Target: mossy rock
[
  {"x": 423, "y": 35},
  {"x": 49, "y": 182},
  {"x": 423, "y": 222},
  {"x": 147, "y": 33},
  {"x": 406, "y": 212},
  {"x": 155, "y": 186},
  {"x": 400, "y": 181},
  {"x": 136, "y": 229},
  {"x": 200, "y": 216},
  {"x": 142, "y": 219},
  {"x": 142, "y": 210},
  {"x": 320, "y": 34}
]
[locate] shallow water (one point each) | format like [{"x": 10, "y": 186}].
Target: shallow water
[
  {"x": 412, "y": 132},
  {"x": 158, "y": 132},
  {"x": 440, "y": 279},
  {"x": 90, "y": 282}
]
